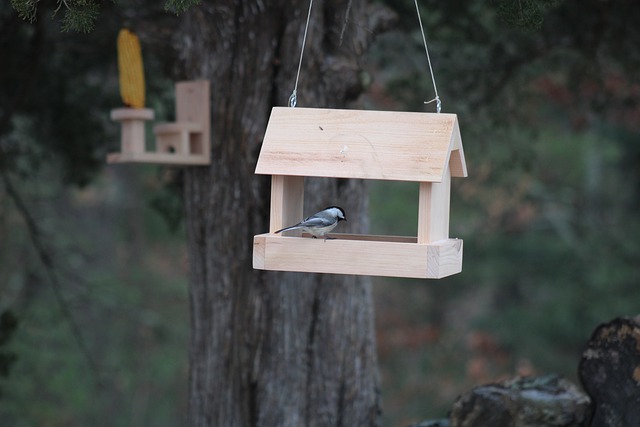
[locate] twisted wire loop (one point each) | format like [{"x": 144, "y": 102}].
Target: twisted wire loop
[{"x": 293, "y": 99}]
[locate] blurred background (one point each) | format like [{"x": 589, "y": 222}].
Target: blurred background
[{"x": 93, "y": 286}]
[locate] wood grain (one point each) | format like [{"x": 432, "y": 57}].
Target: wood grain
[
  {"x": 384, "y": 145},
  {"x": 360, "y": 255},
  {"x": 433, "y": 210},
  {"x": 287, "y": 202}
]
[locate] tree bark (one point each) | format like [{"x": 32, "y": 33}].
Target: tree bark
[
  {"x": 269, "y": 348},
  {"x": 610, "y": 373}
]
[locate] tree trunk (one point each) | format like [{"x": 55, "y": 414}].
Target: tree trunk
[
  {"x": 610, "y": 373},
  {"x": 269, "y": 348}
]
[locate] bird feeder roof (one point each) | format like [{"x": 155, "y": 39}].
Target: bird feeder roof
[{"x": 383, "y": 145}]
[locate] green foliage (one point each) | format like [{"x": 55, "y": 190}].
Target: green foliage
[
  {"x": 80, "y": 15},
  {"x": 548, "y": 212},
  {"x": 169, "y": 202},
  {"x": 525, "y": 14},
  {"x": 123, "y": 278},
  {"x": 549, "y": 254},
  {"x": 56, "y": 106},
  {"x": 180, "y": 6},
  {"x": 26, "y": 9}
]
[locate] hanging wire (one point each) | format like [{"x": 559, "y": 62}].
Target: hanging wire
[
  {"x": 293, "y": 99},
  {"x": 426, "y": 49}
]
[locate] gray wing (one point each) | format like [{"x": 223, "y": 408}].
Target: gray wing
[
  {"x": 315, "y": 221},
  {"x": 312, "y": 221}
]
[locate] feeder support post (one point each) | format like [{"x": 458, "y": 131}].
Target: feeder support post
[
  {"x": 287, "y": 202},
  {"x": 433, "y": 209}
]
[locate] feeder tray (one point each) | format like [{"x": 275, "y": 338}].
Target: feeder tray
[
  {"x": 400, "y": 146},
  {"x": 184, "y": 142}
]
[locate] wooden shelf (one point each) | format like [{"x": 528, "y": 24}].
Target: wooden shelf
[
  {"x": 369, "y": 255},
  {"x": 157, "y": 158},
  {"x": 122, "y": 114}
]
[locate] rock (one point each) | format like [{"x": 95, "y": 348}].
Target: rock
[
  {"x": 610, "y": 373},
  {"x": 549, "y": 401},
  {"x": 432, "y": 423}
]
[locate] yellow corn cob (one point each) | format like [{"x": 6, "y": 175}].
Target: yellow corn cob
[{"x": 130, "y": 69}]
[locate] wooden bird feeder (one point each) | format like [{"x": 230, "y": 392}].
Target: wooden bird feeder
[
  {"x": 400, "y": 146},
  {"x": 187, "y": 141}
]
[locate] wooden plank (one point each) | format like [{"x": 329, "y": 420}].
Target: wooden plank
[
  {"x": 362, "y": 257},
  {"x": 457, "y": 165},
  {"x": 444, "y": 258},
  {"x": 167, "y": 142},
  {"x": 259, "y": 248},
  {"x": 175, "y": 136},
  {"x": 193, "y": 105},
  {"x": 120, "y": 114},
  {"x": 370, "y": 237},
  {"x": 357, "y": 144},
  {"x": 158, "y": 158},
  {"x": 177, "y": 127},
  {"x": 457, "y": 162},
  {"x": 433, "y": 210},
  {"x": 287, "y": 203}
]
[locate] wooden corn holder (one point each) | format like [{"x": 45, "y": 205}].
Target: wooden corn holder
[
  {"x": 419, "y": 147},
  {"x": 187, "y": 141}
]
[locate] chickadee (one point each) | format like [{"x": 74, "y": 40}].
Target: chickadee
[{"x": 320, "y": 223}]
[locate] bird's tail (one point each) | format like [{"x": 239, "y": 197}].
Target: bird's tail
[{"x": 293, "y": 227}]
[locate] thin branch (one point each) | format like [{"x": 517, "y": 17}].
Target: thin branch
[
  {"x": 346, "y": 21},
  {"x": 47, "y": 261},
  {"x": 60, "y": 3}
]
